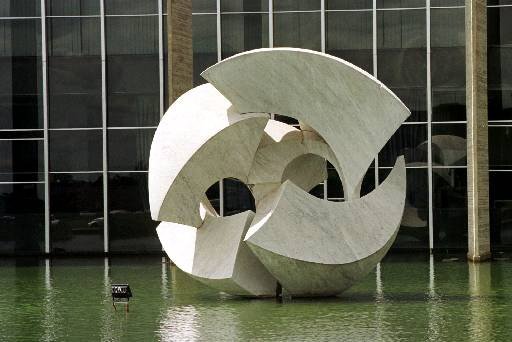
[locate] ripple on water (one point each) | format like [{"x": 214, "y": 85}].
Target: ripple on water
[{"x": 69, "y": 300}]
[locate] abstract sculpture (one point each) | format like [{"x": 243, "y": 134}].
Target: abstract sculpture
[{"x": 222, "y": 129}]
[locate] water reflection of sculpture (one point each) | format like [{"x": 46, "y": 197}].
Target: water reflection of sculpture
[{"x": 215, "y": 131}]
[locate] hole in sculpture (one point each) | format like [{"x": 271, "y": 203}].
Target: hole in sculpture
[
  {"x": 287, "y": 120},
  {"x": 335, "y": 187},
  {"x": 309, "y": 171},
  {"x": 368, "y": 184},
  {"x": 237, "y": 197},
  {"x": 213, "y": 196}
]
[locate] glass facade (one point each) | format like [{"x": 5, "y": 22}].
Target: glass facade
[
  {"x": 22, "y": 189},
  {"x": 81, "y": 94},
  {"x": 499, "y": 53},
  {"x": 80, "y": 99}
]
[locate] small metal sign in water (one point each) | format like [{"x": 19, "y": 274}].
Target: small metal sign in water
[{"x": 121, "y": 293}]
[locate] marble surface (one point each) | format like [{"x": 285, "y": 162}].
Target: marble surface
[
  {"x": 316, "y": 247},
  {"x": 193, "y": 148},
  {"x": 312, "y": 247},
  {"x": 354, "y": 112},
  {"x": 215, "y": 255}
]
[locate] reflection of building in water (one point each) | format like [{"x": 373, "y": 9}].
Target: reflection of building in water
[
  {"x": 181, "y": 324},
  {"x": 434, "y": 305},
  {"x": 193, "y": 322},
  {"x": 51, "y": 319}
]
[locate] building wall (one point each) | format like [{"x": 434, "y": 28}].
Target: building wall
[
  {"x": 499, "y": 40},
  {"x": 78, "y": 110},
  {"x": 102, "y": 103}
]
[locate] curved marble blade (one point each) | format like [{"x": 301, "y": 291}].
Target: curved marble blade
[
  {"x": 354, "y": 112},
  {"x": 216, "y": 255},
  {"x": 188, "y": 156},
  {"x": 315, "y": 247},
  {"x": 272, "y": 159}
]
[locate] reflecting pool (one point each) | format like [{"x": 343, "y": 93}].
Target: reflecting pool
[{"x": 404, "y": 299}]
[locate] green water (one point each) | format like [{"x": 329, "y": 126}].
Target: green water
[{"x": 403, "y": 300}]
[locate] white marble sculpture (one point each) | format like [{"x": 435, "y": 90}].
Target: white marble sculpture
[{"x": 223, "y": 129}]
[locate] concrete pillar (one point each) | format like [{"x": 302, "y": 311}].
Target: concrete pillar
[
  {"x": 477, "y": 140},
  {"x": 179, "y": 45}
]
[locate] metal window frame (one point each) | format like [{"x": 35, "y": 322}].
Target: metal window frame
[
  {"x": 322, "y": 25},
  {"x": 104, "y": 126},
  {"x": 322, "y": 48},
  {"x": 28, "y": 182},
  {"x": 429, "y": 134},
  {"x": 219, "y": 58},
  {"x": 374, "y": 59},
  {"x": 44, "y": 62},
  {"x": 271, "y": 24},
  {"x": 161, "y": 56}
]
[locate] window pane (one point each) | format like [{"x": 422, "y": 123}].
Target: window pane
[
  {"x": 413, "y": 231},
  {"x": 21, "y": 134},
  {"x": 128, "y": 149},
  {"x": 76, "y": 151},
  {"x": 334, "y": 185},
  {"x": 499, "y": 2},
  {"x": 131, "y": 7},
  {"x": 400, "y": 3},
  {"x": 131, "y": 228},
  {"x": 237, "y": 197},
  {"x": 296, "y": 5},
  {"x": 448, "y": 64},
  {"x": 21, "y": 161},
  {"x": 74, "y": 71},
  {"x": 21, "y": 218},
  {"x": 244, "y": 5},
  {"x": 132, "y": 35},
  {"x": 72, "y": 7},
  {"x": 20, "y": 74},
  {"x": 500, "y": 152},
  {"x": 243, "y": 32},
  {"x": 409, "y": 141},
  {"x": 204, "y": 6},
  {"x": 450, "y": 208},
  {"x": 76, "y": 213},
  {"x": 20, "y": 8},
  {"x": 317, "y": 191},
  {"x": 500, "y": 203},
  {"x": 349, "y": 36},
  {"x": 368, "y": 183},
  {"x": 402, "y": 57},
  {"x": 444, "y": 3},
  {"x": 499, "y": 68},
  {"x": 166, "y": 66},
  {"x": 204, "y": 39},
  {"x": 133, "y": 82},
  {"x": 299, "y": 30},
  {"x": 348, "y": 4},
  {"x": 213, "y": 196},
  {"x": 449, "y": 144}
]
